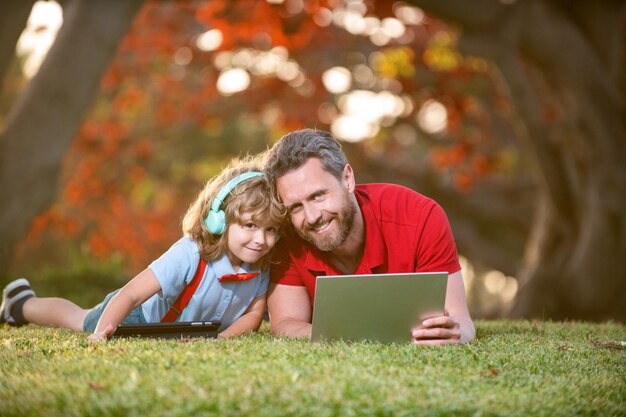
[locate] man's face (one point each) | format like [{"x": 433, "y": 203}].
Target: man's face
[{"x": 319, "y": 204}]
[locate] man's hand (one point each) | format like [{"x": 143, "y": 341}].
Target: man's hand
[
  {"x": 437, "y": 331},
  {"x": 101, "y": 336}
]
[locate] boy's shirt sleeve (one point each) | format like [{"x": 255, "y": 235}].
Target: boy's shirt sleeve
[{"x": 176, "y": 267}]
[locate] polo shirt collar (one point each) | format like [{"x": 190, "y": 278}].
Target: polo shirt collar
[
  {"x": 222, "y": 266},
  {"x": 374, "y": 253}
]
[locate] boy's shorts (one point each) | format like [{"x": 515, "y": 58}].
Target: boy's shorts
[{"x": 91, "y": 319}]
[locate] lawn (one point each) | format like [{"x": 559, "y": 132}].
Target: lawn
[{"x": 512, "y": 369}]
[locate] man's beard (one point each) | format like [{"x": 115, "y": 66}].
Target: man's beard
[{"x": 329, "y": 242}]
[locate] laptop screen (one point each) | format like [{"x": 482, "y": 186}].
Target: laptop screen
[{"x": 377, "y": 307}]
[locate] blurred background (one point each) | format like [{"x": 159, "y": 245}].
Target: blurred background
[{"x": 510, "y": 114}]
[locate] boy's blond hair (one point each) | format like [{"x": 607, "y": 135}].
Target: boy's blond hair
[{"x": 255, "y": 195}]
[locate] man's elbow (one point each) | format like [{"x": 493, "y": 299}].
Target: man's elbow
[
  {"x": 290, "y": 327},
  {"x": 279, "y": 326},
  {"x": 468, "y": 332}
]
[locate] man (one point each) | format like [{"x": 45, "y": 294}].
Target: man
[{"x": 343, "y": 228}]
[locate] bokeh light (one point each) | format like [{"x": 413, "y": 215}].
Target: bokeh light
[
  {"x": 432, "y": 117},
  {"x": 337, "y": 80},
  {"x": 210, "y": 40},
  {"x": 44, "y": 22},
  {"x": 233, "y": 81}
]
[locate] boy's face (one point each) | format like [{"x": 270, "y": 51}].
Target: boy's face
[{"x": 249, "y": 240}]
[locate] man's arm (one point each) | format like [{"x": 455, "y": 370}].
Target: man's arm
[
  {"x": 455, "y": 326},
  {"x": 290, "y": 310}
]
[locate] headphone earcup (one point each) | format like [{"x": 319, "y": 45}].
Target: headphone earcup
[{"x": 216, "y": 222}]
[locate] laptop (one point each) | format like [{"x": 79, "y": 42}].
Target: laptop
[
  {"x": 176, "y": 330},
  {"x": 377, "y": 307}
]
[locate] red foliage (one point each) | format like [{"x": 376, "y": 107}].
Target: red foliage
[{"x": 121, "y": 192}]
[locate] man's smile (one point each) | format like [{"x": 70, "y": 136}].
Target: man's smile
[{"x": 321, "y": 226}]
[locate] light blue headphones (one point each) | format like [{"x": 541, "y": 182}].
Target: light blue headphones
[{"x": 216, "y": 219}]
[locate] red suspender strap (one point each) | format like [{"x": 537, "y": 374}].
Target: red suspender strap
[{"x": 184, "y": 297}]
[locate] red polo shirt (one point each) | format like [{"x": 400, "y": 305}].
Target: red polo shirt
[{"x": 404, "y": 232}]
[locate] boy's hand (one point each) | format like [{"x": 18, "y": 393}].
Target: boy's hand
[{"x": 101, "y": 336}]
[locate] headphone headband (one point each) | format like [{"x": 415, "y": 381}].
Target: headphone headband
[{"x": 229, "y": 186}]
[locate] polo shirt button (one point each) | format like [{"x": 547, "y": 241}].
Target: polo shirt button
[{"x": 227, "y": 298}]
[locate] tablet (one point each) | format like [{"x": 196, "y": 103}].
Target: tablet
[
  {"x": 174, "y": 330},
  {"x": 376, "y": 307}
]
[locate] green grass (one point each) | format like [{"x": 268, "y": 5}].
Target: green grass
[{"x": 512, "y": 369}]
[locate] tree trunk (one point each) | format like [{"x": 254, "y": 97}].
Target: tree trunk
[
  {"x": 45, "y": 118},
  {"x": 562, "y": 56}
]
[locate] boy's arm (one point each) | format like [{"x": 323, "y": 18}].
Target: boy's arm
[
  {"x": 250, "y": 321},
  {"x": 131, "y": 296}
]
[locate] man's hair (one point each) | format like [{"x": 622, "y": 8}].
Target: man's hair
[{"x": 294, "y": 149}]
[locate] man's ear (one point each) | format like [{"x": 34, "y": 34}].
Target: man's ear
[{"x": 348, "y": 178}]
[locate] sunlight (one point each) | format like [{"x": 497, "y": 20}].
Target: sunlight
[
  {"x": 372, "y": 24},
  {"x": 267, "y": 63},
  {"x": 362, "y": 112},
  {"x": 337, "y": 80},
  {"x": 323, "y": 17},
  {"x": 497, "y": 283},
  {"x": 364, "y": 75},
  {"x": 379, "y": 37},
  {"x": 371, "y": 106},
  {"x": 297, "y": 81},
  {"x": 408, "y": 14},
  {"x": 45, "y": 20},
  {"x": 223, "y": 60},
  {"x": 288, "y": 71},
  {"x": 210, "y": 40},
  {"x": 243, "y": 57},
  {"x": 233, "y": 81},
  {"x": 353, "y": 128},
  {"x": 392, "y": 27},
  {"x": 351, "y": 16},
  {"x": 355, "y": 23},
  {"x": 361, "y": 103},
  {"x": 432, "y": 117}
]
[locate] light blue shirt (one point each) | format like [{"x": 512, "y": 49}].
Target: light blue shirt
[{"x": 213, "y": 300}]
